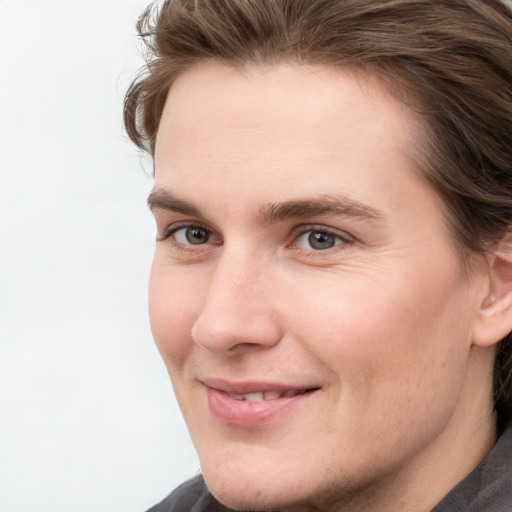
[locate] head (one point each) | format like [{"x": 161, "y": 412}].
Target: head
[{"x": 419, "y": 92}]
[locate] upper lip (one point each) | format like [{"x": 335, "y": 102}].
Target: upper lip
[{"x": 244, "y": 387}]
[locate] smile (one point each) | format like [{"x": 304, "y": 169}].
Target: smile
[
  {"x": 253, "y": 405},
  {"x": 267, "y": 395}
]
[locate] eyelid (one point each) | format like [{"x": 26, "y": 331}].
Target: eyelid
[
  {"x": 176, "y": 226},
  {"x": 306, "y": 228},
  {"x": 296, "y": 233}
]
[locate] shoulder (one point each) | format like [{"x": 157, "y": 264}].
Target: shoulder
[{"x": 192, "y": 496}]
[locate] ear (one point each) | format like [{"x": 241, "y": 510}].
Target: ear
[{"x": 494, "y": 320}]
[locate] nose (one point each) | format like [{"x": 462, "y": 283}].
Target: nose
[{"x": 238, "y": 312}]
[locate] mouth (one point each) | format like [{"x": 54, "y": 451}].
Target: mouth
[
  {"x": 254, "y": 404},
  {"x": 260, "y": 396}
]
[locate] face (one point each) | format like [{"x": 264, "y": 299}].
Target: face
[{"x": 305, "y": 294}]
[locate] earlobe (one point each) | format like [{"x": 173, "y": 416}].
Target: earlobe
[{"x": 494, "y": 320}]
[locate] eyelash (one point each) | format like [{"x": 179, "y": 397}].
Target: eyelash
[
  {"x": 342, "y": 238},
  {"x": 172, "y": 230}
]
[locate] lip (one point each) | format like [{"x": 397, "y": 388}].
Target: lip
[{"x": 249, "y": 414}]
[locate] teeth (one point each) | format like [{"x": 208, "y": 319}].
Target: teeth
[
  {"x": 236, "y": 397},
  {"x": 267, "y": 395},
  {"x": 253, "y": 397},
  {"x": 271, "y": 395}
]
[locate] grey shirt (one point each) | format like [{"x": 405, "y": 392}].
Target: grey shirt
[{"x": 487, "y": 489}]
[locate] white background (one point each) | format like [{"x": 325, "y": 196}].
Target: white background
[{"x": 88, "y": 422}]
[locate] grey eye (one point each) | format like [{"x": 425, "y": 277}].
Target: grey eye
[
  {"x": 193, "y": 235},
  {"x": 318, "y": 240}
]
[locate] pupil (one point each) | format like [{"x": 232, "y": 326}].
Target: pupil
[
  {"x": 196, "y": 235},
  {"x": 318, "y": 240}
]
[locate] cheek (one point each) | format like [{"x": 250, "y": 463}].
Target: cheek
[
  {"x": 395, "y": 355},
  {"x": 173, "y": 301},
  {"x": 388, "y": 338}
]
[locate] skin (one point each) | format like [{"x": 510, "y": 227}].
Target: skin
[{"x": 384, "y": 322}]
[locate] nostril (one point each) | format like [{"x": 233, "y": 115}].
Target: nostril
[{"x": 235, "y": 332}]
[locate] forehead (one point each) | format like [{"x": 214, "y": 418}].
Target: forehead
[
  {"x": 283, "y": 133},
  {"x": 219, "y": 109}
]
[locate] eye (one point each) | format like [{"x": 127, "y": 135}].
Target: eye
[
  {"x": 192, "y": 235},
  {"x": 318, "y": 240}
]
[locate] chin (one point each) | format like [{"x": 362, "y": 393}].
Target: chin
[
  {"x": 253, "y": 501},
  {"x": 269, "y": 482},
  {"x": 240, "y": 492}
]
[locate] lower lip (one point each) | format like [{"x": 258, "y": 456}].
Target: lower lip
[{"x": 243, "y": 413}]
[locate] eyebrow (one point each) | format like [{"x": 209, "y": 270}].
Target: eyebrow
[
  {"x": 319, "y": 205},
  {"x": 160, "y": 199}
]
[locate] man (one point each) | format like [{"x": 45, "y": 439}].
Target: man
[{"x": 332, "y": 290}]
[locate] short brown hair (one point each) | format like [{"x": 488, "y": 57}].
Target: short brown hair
[{"x": 454, "y": 57}]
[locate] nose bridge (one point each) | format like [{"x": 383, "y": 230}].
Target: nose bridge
[{"x": 237, "y": 310}]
